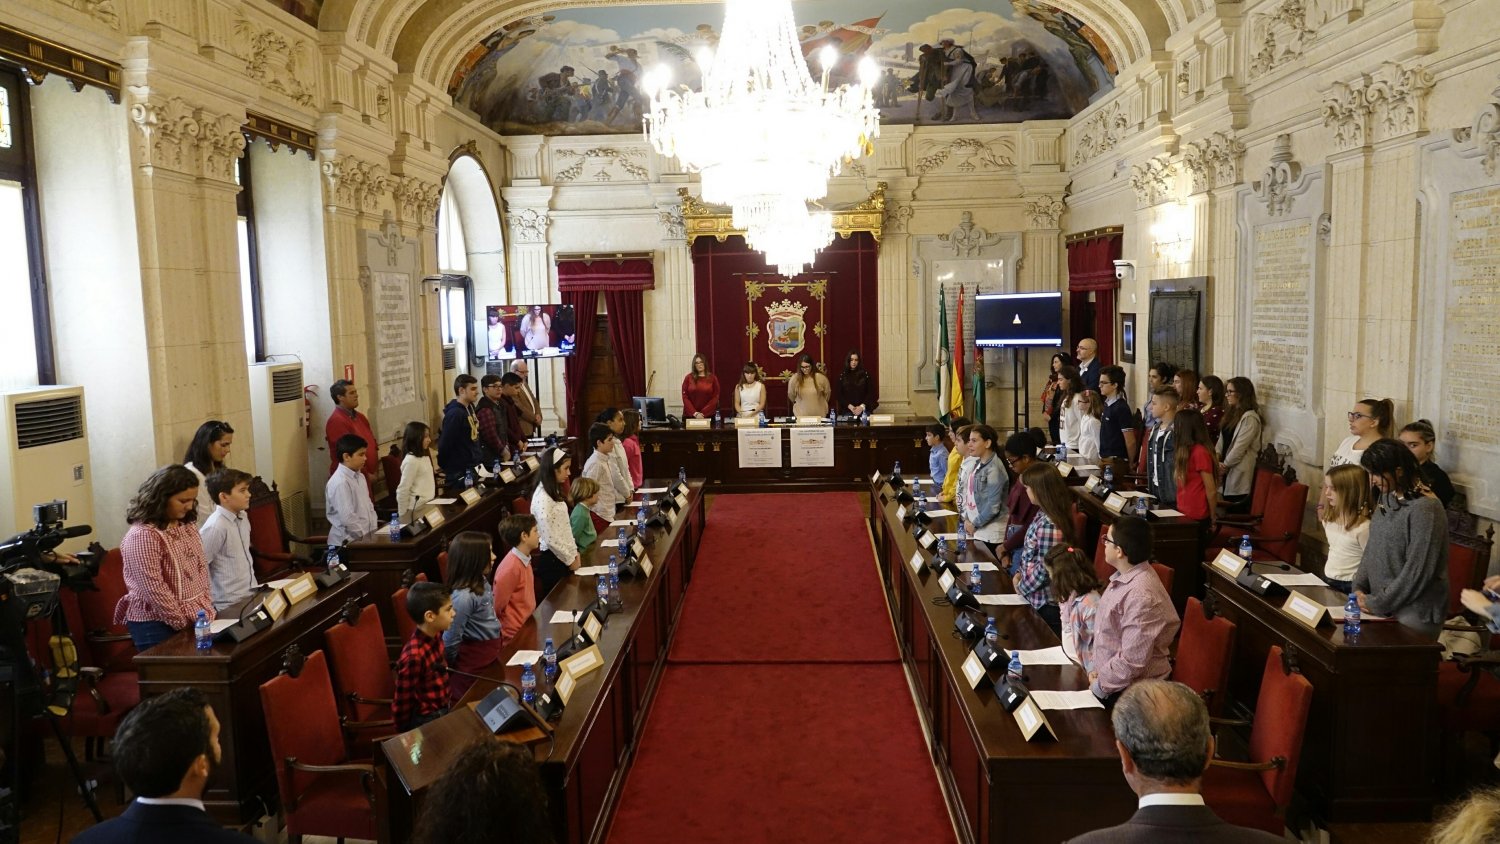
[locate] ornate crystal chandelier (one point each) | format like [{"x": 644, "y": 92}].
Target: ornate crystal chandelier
[
  {"x": 763, "y": 135},
  {"x": 792, "y": 240}
]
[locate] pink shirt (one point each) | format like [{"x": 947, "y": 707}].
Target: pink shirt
[
  {"x": 1133, "y": 630},
  {"x": 515, "y": 593},
  {"x": 166, "y": 576},
  {"x": 633, "y": 459}
]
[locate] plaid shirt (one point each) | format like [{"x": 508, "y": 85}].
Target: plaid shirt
[
  {"x": 421, "y": 679},
  {"x": 493, "y": 437},
  {"x": 1031, "y": 580},
  {"x": 166, "y": 577}
]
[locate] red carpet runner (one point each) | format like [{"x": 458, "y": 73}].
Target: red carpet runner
[{"x": 783, "y": 715}]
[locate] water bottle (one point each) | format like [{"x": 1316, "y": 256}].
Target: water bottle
[
  {"x": 468, "y": 478},
  {"x": 833, "y": 417},
  {"x": 614, "y": 566},
  {"x": 601, "y": 590},
  {"x": 549, "y": 662},
  {"x": 896, "y": 471},
  {"x": 395, "y": 527},
  {"x": 974, "y": 579},
  {"x": 331, "y": 559},
  {"x": 921, "y": 497},
  {"x": 942, "y": 549},
  {"x": 963, "y": 538},
  {"x": 615, "y": 602},
  {"x": 1109, "y": 474},
  {"x": 1062, "y": 452},
  {"x": 682, "y": 475},
  {"x": 620, "y": 538},
  {"x": 864, "y": 418},
  {"x": 761, "y": 419},
  {"x": 1141, "y": 507},
  {"x": 203, "y": 631},
  {"x": 520, "y": 464},
  {"x": 498, "y": 468},
  {"x": 1246, "y": 549},
  {"x": 718, "y": 418},
  {"x": 640, "y": 518},
  {"x": 992, "y": 634},
  {"x": 1013, "y": 672},
  {"x": 528, "y": 686},
  {"x": 1351, "y": 617}
]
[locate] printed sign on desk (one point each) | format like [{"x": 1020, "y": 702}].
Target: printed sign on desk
[
  {"x": 760, "y": 448},
  {"x": 812, "y": 447}
]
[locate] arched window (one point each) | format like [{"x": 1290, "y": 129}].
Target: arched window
[
  {"x": 25, "y": 319},
  {"x": 471, "y": 257}
]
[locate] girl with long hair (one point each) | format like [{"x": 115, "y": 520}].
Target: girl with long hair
[
  {"x": 1420, "y": 437},
  {"x": 856, "y": 388},
  {"x": 473, "y": 641},
  {"x": 1077, "y": 591},
  {"x": 205, "y": 455},
  {"x": 1404, "y": 570},
  {"x": 1345, "y": 514},
  {"x": 418, "y": 480},
  {"x": 1211, "y": 402},
  {"x": 166, "y": 574},
  {"x": 1052, "y": 395},
  {"x": 984, "y": 486},
  {"x": 1052, "y": 526},
  {"x": 808, "y": 390},
  {"x": 750, "y": 392},
  {"x": 1194, "y": 466},
  {"x": 1240, "y": 432},
  {"x": 1370, "y": 420},
  {"x": 557, "y": 556},
  {"x": 1186, "y": 384},
  {"x": 631, "y": 441},
  {"x": 1090, "y": 420},
  {"x": 1071, "y": 404}
]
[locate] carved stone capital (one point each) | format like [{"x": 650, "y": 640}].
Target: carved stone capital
[
  {"x": 528, "y": 225},
  {"x": 277, "y": 62},
  {"x": 354, "y": 185},
  {"x": 1154, "y": 180},
  {"x": 175, "y": 135},
  {"x": 1214, "y": 162},
  {"x": 416, "y": 200},
  {"x": 669, "y": 217},
  {"x": 1389, "y": 103},
  {"x": 897, "y": 216},
  {"x": 1100, "y": 133},
  {"x": 1481, "y": 137},
  {"x": 1275, "y": 184},
  {"x": 1278, "y": 37},
  {"x": 103, "y": 11},
  {"x": 1045, "y": 212}
]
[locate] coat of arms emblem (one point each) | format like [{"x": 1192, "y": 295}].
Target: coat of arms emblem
[{"x": 786, "y": 330}]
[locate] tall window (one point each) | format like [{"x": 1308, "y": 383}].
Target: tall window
[
  {"x": 25, "y": 316},
  {"x": 250, "y": 303},
  {"x": 453, "y": 256}
]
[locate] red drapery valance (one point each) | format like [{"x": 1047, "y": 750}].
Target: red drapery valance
[
  {"x": 623, "y": 283},
  {"x": 1091, "y": 270},
  {"x": 606, "y": 274}
]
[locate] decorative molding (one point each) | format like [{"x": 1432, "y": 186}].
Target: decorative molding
[
  {"x": 469, "y": 148},
  {"x": 1214, "y": 162},
  {"x": 416, "y": 200},
  {"x": 391, "y": 239},
  {"x": 355, "y": 185},
  {"x": 703, "y": 220},
  {"x": 1184, "y": 80},
  {"x": 100, "y": 10},
  {"x": 528, "y": 226},
  {"x": 1045, "y": 212},
  {"x": 1388, "y": 103},
  {"x": 1325, "y": 227},
  {"x": 383, "y": 103},
  {"x": 897, "y": 216},
  {"x": 1153, "y": 180},
  {"x": 1101, "y": 133},
  {"x": 606, "y": 157},
  {"x": 37, "y": 58},
  {"x": 1274, "y": 186},
  {"x": 857, "y": 169},
  {"x": 968, "y": 155},
  {"x": 1278, "y": 37},
  {"x": 669, "y": 217},
  {"x": 1482, "y": 136},
  {"x": 177, "y": 135},
  {"x": 274, "y": 61},
  {"x": 276, "y": 133},
  {"x": 968, "y": 239}
]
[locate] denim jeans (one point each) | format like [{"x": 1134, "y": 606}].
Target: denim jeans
[{"x": 149, "y": 634}]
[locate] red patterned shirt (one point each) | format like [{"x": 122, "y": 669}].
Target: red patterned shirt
[
  {"x": 421, "y": 679},
  {"x": 166, "y": 576}
]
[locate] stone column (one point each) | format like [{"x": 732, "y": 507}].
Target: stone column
[
  {"x": 670, "y": 314},
  {"x": 897, "y": 296},
  {"x": 532, "y": 282}
]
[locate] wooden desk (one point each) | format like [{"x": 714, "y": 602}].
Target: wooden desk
[
  {"x": 243, "y": 788},
  {"x": 857, "y": 452},
  {"x": 1001, "y": 787},
  {"x": 1174, "y": 543},
  {"x": 1371, "y": 750},
  {"x": 595, "y": 737}
]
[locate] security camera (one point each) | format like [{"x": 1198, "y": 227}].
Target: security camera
[
  {"x": 1124, "y": 270},
  {"x": 432, "y": 283}
]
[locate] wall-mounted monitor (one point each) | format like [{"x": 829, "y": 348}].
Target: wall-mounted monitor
[
  {"x": 1018, "y": 320},
  {"x": 530, "y": 331}
]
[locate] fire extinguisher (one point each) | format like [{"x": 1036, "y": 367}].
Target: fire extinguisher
[{"x": 309, "y": 393}]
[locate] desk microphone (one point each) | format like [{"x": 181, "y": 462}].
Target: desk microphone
[{"x": 1281, "y": 566}]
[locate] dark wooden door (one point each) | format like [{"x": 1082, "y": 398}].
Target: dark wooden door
[{"x": 602, "y": 386}]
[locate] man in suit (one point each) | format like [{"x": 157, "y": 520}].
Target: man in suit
[
  {"x": 1161, "y": 731},
  {"x": 166, "y": 750},
  {"x": 1088, "y": 362},
  {"x": 531, "y": 414}
]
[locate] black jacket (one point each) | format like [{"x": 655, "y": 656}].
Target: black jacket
[
  {"x": 142, "y": 824},
  {"x": 1176, "y": 825}
]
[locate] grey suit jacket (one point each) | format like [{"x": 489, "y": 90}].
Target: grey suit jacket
[{"x": 1176, "y": 825}]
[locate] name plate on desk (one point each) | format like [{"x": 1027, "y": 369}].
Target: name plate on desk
[
  {"x": 471, "y": 495},
  {"x": 435, "y": 518},
  {"x": 1305, "y": 609},
  {"x": 1114, "y": 503},
  {"x": 646, "y": 566},
  {"x": 275, "y": 604},
  {"x": 1092, "y": 483},
  {"x": 1065, "y": 469},
  {"x": 882, "y": 419},
  {"x": 300, "y": 589},
  {"x": 507, "y": 475},
  {"x": 945, "y": 580},
  {"x": 1032, "y": 721},
  {"x": 681, "y": 499},
  {"x": 636, "y": 547},
  {"x": 533, "y": 461},
  {"x": 1229, "y": 563},
  {"x": 974, "y": 671},
  {"x": 580, "y": 664},
  {"x": 901, "y": 514},
  {"x": 699, "y": 424},
  {"x": 592, "y": 627},
  {"x": 746, "y": 422},
  {"x": 875, "y": 478},
  {"x": 916, "y": 561},
  {"x": 809, "y": 420},
  {"x": 927, "y": 540},
  {"x": 564, "y": 687}
]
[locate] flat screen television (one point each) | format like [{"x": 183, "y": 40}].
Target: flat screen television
[
  {"x": 530, "y": 331},
  {"x": 1018, "y": 320},
  {"x": 653, "y": 409}
]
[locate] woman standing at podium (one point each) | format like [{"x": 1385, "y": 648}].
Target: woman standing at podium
[
  {"x": 808, "y": 389},
  {"x": 750, "y": 393},
  {"x": 558, "y": 555},
  {"x": 700, "y": 391},
  {"x": 856, "y": 387}
]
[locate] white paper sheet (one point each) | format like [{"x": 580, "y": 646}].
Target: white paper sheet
[
  {"x": 999, "y": 600},
  {"x": 524, "y": 657},
  {"x": 442, "y": 501},
  {"x": 983, "y": 566},
  {"x": 219, "y": 625},
  {"x": 1295, "y": 579},
  {"x": 1167, "y": 513},
  {"x": 655, "y": 490},
  {"x": 1045, "y": 656},
  {"x": 940, "y": 512},
  {"x": 1065, "y": 700},
  {"x": 590, "y": 571},
  {"x": 565, "y": 616},
  {"x": 622, "y": 523}
]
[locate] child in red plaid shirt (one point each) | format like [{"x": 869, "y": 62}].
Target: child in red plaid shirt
[{"x": 422, "y": 671}]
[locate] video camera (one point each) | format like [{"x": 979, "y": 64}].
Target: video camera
[{"x": 30, "y": 571}]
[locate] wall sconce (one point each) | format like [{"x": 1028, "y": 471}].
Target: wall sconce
[{"x": 1172, "y": 234}]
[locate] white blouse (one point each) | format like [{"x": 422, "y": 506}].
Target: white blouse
[
  {"x": 553, "y": 527},
  {"x": 1346, "y": 453},
  {"x": 752, "y": 398},
  {"x": 1072, "y": 422},
  {"x": 418, "y": 485},
  {"x": 1088, "y": 438},
  {"x": 205, "y": 501},
  {"x": 1345, "y": 549},
  {"x": 613, "y": 489}
]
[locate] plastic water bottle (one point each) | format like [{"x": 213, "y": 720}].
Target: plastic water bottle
[
  {"x": 1109, "y": 474},
  {"x": 497, "y": 468},
  {"x": 921, "y": 497},
  {"x": 682, "y": 475},
  {"x": 718, "y": 418},
  {"x": 331, "y": 559},
  {"x": 974, "y": 579},
  {"x": 864, "y": 418},
  {"x": 203, "y": 631},
  {"x": 640, "y": 518},
  {"x": 520, "y": 464},
  {"x": 601, "y": 590},
  {"x": 620, "y": 538},
  {"x": 528, "y": 685},
  {"x": 1246, "y": 549},
  {"x": 833, "y": 417},
  {"x": 896, "y": 470},
  {"x": 992, "y": 633},
  {"x": 614, "y": 566},
  {"x": 468, "y": 478},
  {"x": 942, "y": 549},
  {"x": 395, "y": 527},
  {"x": 1062, "y": 452},
  {"x": 1351, "y": 617},
  {"x": 1141, "y": 507},
  {"x": 549, "y": 662},
  {"x": 963, "y": 538},
  {"x": 761, "y": 419},
  {"x": 1013, "y": 672},
  {"x": 615, "y": 601}
]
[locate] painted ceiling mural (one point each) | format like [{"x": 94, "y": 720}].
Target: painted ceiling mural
[{"x": 576, "y": 71}]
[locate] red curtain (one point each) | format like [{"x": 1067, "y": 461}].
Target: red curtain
[
  {"x": 627, "y": 330},
  {"x": 1091, "y": 270},
  {"x": 585, "y": 304}
]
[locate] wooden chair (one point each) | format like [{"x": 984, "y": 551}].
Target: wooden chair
[
  {"x": 270, "y": 541},
  {"x": 1205, "y": 649},
  {"x": 1103, "y": 570},
  {"x": 1165, "y": 574},
  {"x": 1272, "y": 474},
  {"x": 404, "y": 623},
  {"x": 1468, "y": 561},
  {"x": 390, "y": 464},
  {"x": 362, "y": 674},
  {"x": 1279, "y": 535},
  {"x": 323, "y": 791},
  {"x": 1256, "y": 793}
]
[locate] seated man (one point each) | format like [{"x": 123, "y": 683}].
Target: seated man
[
  {"x": 1135, "y": 621},
  {"x": 165, "y": 751},
  {"x": 1161, "y": 732}
]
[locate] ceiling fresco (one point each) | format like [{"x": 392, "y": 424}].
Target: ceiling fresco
[{"x": 577, "y": 71}]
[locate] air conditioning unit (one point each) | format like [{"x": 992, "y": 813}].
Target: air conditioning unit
[
  {"x": 278, "y": 415},
  {"x": 45, "y": 456}
]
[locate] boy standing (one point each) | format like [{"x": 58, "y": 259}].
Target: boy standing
[
  {"x": 937, "y": 456},
  {"x": 1161, "y": 480},
  {"x": 350, "y": 512},
  {"x": 458, "y": 441},
  {"x": 422, "y": 671},
  {"x": 226, "y": 539},
  {"x": 515, "y": 585}
]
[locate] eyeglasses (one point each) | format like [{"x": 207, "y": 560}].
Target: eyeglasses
[
  {"x": 1108, "y": 541},
  {"x": 1104, "y": 383},
  {"x": 1353, "y": 416}
]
